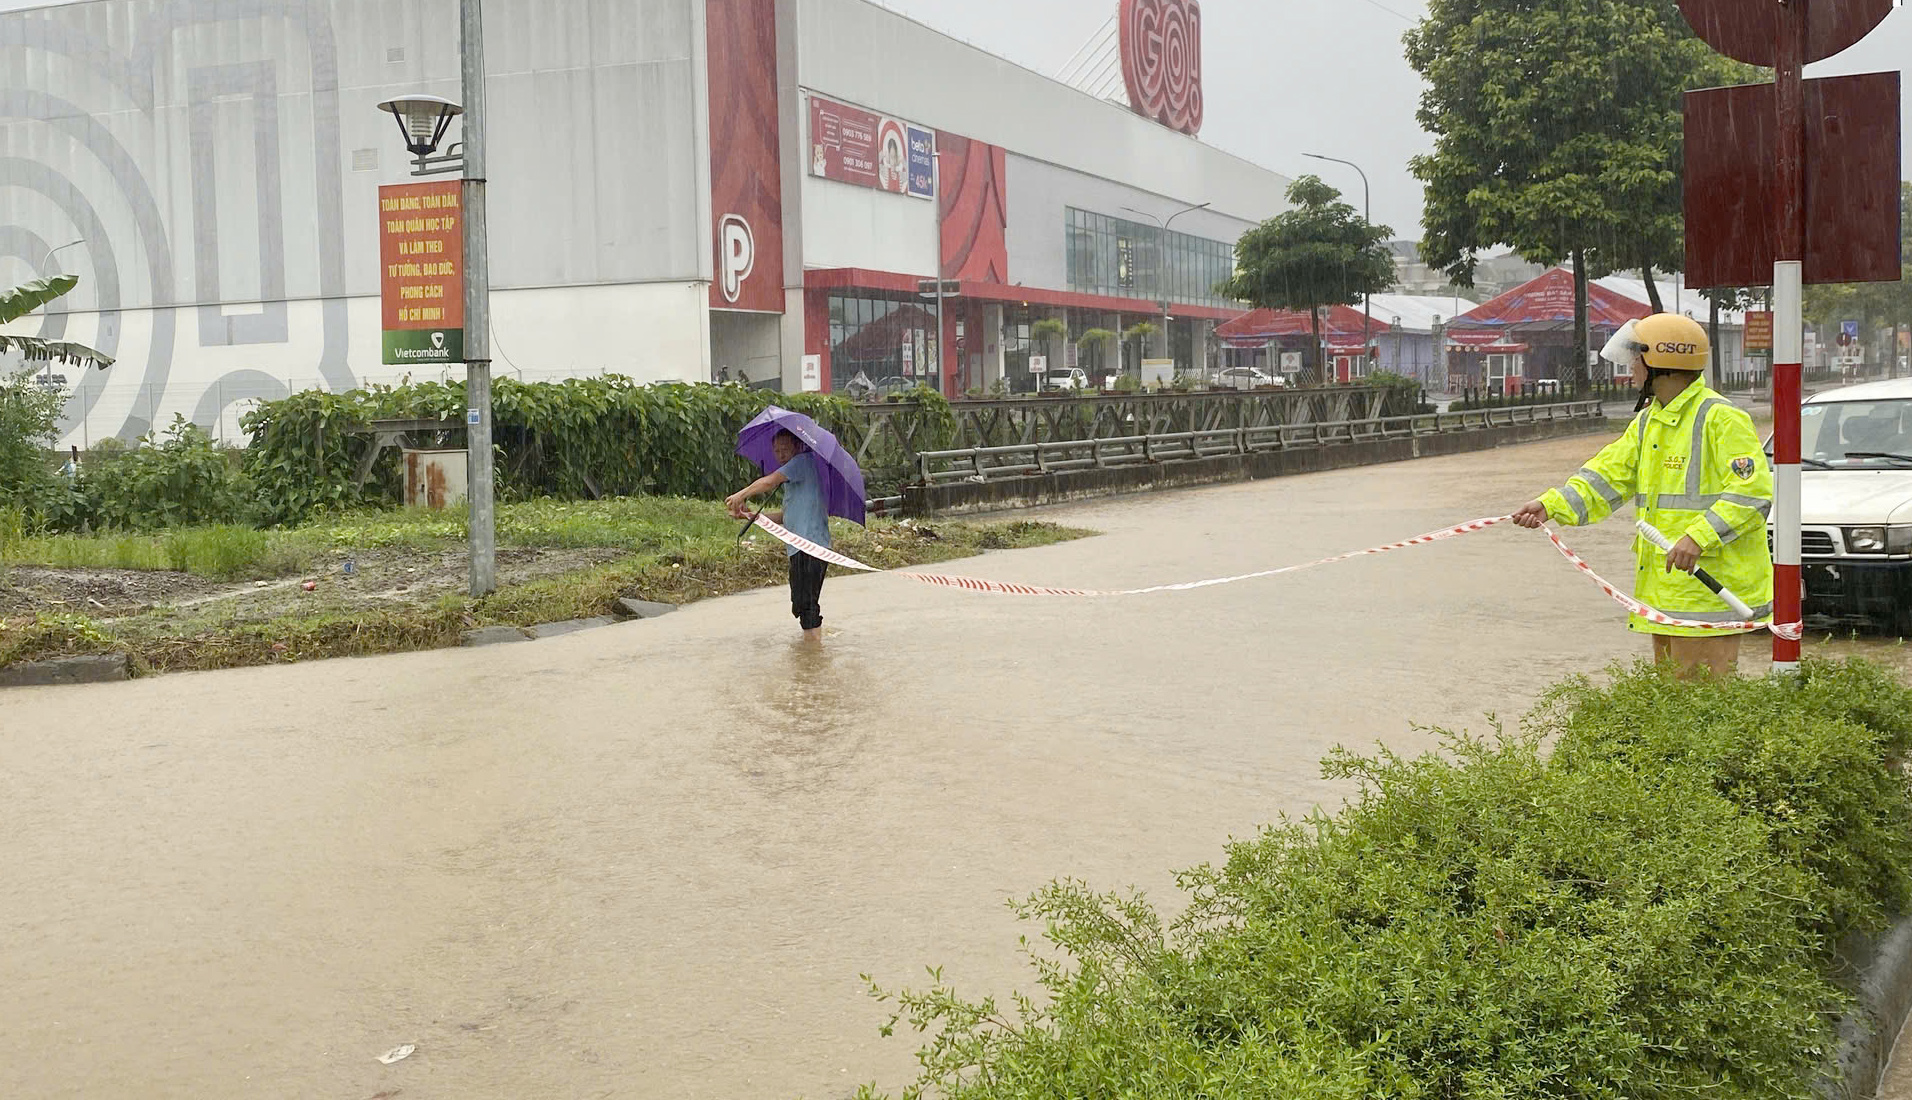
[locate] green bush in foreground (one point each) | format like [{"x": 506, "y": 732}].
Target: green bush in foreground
[{"x": 1644, "y": 913}]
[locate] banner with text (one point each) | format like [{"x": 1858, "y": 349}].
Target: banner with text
[
  {"x": 852, "y": 145},
  {"x": 421, "y": 248}
]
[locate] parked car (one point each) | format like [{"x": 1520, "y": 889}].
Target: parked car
[
  {"x": 1074, "y": 378},
  {"x": 1245, "y": 378},
  {"x": 1856, "y": 504}
]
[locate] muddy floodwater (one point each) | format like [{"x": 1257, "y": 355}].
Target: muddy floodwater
[{"x": 652, "y": 860}]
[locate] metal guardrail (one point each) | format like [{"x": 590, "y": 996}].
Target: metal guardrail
[{"x": 1036, "y": 459}]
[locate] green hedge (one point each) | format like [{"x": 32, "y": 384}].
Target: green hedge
[
  {"x": 1648, "y": 912},
  {"x": 576, "y": 438}
]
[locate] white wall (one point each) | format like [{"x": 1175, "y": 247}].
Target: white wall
[
  {"x": 222, "y": 159},
  {"x": 861, "y": 53}
]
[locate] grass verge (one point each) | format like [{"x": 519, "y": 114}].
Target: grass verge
[{"x": 676, "y": 552}]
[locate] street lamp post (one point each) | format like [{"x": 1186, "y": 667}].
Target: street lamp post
[
  {"x": 936, "y": 186},
  {"x": 1367, "y": 215},
  {"x": 479, "y": 494},
  {"x": 423, "y": 120},
  {"x": 51, "y": 252},
  {"x": 47, "y": 374},
  {"x": 1161, "y": 265}
]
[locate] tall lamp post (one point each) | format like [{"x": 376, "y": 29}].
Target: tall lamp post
[
  {"x": 1161, "y": 264},
  {"x": 47, "y": 374},
  {"x": 423, "y": 120},
  {"x": 1367, "y": 215}
]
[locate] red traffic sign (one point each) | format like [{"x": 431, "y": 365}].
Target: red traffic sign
[
  {"x": 1748, "y": 30},
  {"x": 1852, "y": 182}
]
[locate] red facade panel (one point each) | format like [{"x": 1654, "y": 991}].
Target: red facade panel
[
  {"x": 746, "y": 170},
  {"x": 975, "y": 201}
]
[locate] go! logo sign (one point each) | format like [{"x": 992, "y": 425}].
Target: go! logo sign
[{"x": 736, "y": 255}]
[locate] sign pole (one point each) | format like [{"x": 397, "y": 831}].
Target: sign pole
[
  {"x": 1789, "y": 350},
  {"x": 479, "y": 494},
  {"x": 942, "y": 368}
]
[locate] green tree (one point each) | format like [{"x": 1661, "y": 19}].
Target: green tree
[
  {"x": 1558, "y": 130},
  {"x": 1140, "y": 333},
  {"x": 1320, "y": 253},
  {"x": 1049, "y": 332},
  {"x": 29, "y": 416},
  {"x": 30, "y": 413},
  {"x": 22, "y": 300},
  {"x": 1098, "y": 341}
]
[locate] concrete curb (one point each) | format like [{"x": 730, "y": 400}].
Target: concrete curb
[
  {"x": 96, "y": 669},
  {"x": 493, "y": 635},
  {"x": 1867, "y": 1034},
  {"x": 570, "y": 626}
]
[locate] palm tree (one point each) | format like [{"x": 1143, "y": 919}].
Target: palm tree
[{"x": 24, "y": 299}]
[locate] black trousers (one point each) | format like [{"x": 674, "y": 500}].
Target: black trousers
[{"x": 806, "y": 587}]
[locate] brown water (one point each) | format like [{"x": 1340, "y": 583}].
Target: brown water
[{"x": 651, "y": 860}]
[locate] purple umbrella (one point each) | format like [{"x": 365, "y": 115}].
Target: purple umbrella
[{"x": 842, "y": 477}]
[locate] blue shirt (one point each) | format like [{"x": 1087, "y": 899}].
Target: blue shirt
[{"x": 804, "y": 509}]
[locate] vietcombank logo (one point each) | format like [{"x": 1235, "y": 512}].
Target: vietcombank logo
[{"x": 425, "y": 346}]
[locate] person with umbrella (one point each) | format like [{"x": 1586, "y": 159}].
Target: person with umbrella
[{"x": 819, "y": 480}]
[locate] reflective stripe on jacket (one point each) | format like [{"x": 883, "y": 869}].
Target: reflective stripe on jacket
[{"x": 1693, "y": 468}]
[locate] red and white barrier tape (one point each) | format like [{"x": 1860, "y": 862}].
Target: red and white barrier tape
[{"x": 973, "y": 584}]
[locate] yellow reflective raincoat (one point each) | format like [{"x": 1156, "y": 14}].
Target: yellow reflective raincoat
[{"x": 1694, "y": 468}]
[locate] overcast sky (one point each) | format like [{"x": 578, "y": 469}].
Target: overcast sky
[{"x": 1287, "y": 77}]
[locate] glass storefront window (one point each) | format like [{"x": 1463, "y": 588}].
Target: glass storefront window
[
  {"x": 1119, "y": 258},
  {"x": 880, "y": 345}
]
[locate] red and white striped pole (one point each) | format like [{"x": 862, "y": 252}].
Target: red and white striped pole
[{"x": 1789, "y": 343}]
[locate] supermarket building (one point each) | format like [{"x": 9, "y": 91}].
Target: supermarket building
[{"x": 751, "y": 190}]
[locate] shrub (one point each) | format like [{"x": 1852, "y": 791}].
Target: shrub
[
  {"x": 581, "y": 437},
  {"x": 174, "y": 479},
  {"x": 28, "y": 418},
  {"x": 1645, "y": 913},
  {"x": 1819, "y": 766}
]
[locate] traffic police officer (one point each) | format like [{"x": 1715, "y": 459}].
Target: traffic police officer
[{"x": 1694, "y": 468}]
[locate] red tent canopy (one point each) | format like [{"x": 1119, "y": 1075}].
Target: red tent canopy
[
  {"x": 1549, "y": 300},
  {"x": 1340, "y": 325}
]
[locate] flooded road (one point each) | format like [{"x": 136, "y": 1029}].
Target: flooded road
[{"x": 652, "y": 860}]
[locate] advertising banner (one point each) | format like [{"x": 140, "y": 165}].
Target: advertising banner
[
  {"x": 421, "y": 247},
  {"x": 852, "y": 145}
]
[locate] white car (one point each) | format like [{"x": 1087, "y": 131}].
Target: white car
[
  {"x": 1246, "y": 378},
  {"x": 1074, "y": 378},
  {"x": 1856, "y": 504}
]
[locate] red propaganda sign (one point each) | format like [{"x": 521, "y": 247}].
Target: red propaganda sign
[
  {"x": 421, "y": 252},
  {"x": 1162, "y": 61},
  {"x": 1748, "y": 30},
  {"x": 1759, "y": 330}
]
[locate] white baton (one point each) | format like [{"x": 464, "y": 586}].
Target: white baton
[{"x": 1652, "y": 534}]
